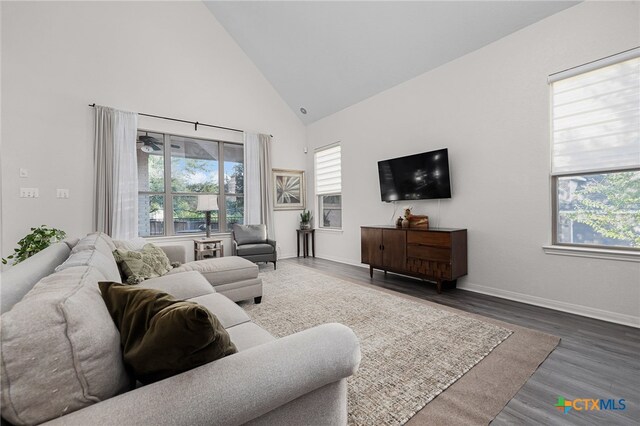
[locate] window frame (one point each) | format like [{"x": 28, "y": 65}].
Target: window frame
[
  {"x": 317, "y": 202},
  {"x": 554, "y": 177},
  {"x": 554, "y": 212},
  {"x": 168, "y": 194}
]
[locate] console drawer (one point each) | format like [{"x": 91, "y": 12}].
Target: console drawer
[
  {"x": 441, "y": 239},
  {"x": 429, "y": 253}
]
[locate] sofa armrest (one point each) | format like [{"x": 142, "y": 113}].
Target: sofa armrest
[
  {"x": 175, "y": 253},
  {"x": 238, "y": 388},
  {"x": 272, "y": 242},
  {"x": 234, "y": 248}
]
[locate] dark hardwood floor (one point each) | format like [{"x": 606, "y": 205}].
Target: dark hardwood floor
[{"x": 595, "y": 359}]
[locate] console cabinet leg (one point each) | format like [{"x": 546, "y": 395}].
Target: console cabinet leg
[
  {"x": 439, "y": 286},
  {"x": 371, "y": 271}
]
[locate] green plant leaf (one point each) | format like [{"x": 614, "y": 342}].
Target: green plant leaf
[{"x": 36, "y": 241}]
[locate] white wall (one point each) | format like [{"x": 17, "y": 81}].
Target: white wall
[
  {"x": 165, "y": 58},
  {"x": 491, "y": 109}
]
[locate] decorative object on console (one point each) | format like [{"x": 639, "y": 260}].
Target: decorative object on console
[
  {"x": 407, "y": 216},
  {"x": 305, "y": 219},
  {"x": 399, "y": 222},
  {"x": 419, "y": 221},
  {"x": 289, "y": 189},
  {"x": 38, "y": 239},
  {"x": 207, "y": 203}
]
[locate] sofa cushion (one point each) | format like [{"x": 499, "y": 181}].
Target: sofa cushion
[
  {"x": 60, "y": 350},
  {"x": 181, "y": 286},
  {"x": 253, "y": 249},
  {"x": 19, "y": 279},
  {"x": 105, "y": 264},
  {"x": 221, "y": 270},
  {"x": 96, "y": 241},
  {"x": 162, "y": 336},
  {"x": 227, "y": 312},
  {"x": 135, "y": 244},
  {"x": 138, "y": 266},
  {"x": 241, "y": 290},
  {"x": 248, "y": 335},
  {"x": 249, "y": 234}
]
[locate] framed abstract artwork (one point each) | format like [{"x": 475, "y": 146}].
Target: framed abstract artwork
[{"x": 288, "y": 189}]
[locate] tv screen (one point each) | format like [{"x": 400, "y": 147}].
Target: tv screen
[{"x": 415, "y": 177}]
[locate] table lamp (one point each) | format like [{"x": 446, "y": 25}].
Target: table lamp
[{"x": 207, "y": 203}]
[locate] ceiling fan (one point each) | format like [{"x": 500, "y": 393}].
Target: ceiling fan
[{"x": 150, "y": 144}]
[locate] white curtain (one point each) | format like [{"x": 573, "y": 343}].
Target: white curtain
[
  {"x": 116, "y": 174},
  {"x": 258, "y": 186}
]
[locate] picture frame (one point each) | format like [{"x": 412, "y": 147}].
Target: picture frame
[{"x": 289, "y": 189}]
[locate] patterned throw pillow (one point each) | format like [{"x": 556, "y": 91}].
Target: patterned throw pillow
[{"x": 138, "y": 266}]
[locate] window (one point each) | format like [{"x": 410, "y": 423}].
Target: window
[
  {"x": 170, "y": 180},
  {"x": 328, "y": 174},
  {"x": 596, "y": 153}
]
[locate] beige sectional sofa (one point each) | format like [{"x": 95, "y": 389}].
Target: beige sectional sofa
[{"x": 62, "y": 362}]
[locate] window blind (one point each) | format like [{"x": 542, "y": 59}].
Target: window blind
[
  {"x": 328, "y": 170},
  {"x": 596, "y": 118}
]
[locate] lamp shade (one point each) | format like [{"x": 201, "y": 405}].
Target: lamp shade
[{"x": 207, "y": 203}]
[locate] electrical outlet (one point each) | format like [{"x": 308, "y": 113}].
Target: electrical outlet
[
  {"x": 29, "y": 193},
  {"x": 24, "y": 173},
  {"x": 62, "y": 193}
]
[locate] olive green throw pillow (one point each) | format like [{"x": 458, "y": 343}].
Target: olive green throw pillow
[
  {"x": 138, "y": 266},
  {"x": 161, "y": 336}
]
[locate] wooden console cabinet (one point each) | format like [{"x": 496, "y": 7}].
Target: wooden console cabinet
[{"x": 436, "y": 254}]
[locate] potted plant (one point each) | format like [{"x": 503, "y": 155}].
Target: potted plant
[
  {"x": 39, "y": 239},
  {"x": 305, "y": 219}
]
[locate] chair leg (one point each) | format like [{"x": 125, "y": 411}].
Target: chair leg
[
  {"x": 257, "y": 300},
  {"x": 274, "y": 265}
]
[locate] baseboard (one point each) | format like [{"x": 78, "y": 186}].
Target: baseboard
[
  {"x": 346, "y": 262},
  {"x": 557, "y": 305},
  {"x": 585, "y": 311},
  {"x": 286, "y": 256}
]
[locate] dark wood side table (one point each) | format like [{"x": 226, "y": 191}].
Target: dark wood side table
[
  {"x": 207, "y": 247},
  {"x": 305, "y": 242}
]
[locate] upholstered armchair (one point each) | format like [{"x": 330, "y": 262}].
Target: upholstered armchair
[{"x": 252, "y": 243}]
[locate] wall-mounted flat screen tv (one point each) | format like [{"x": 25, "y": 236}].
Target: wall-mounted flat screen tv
[{"x": 415, "y": 177}]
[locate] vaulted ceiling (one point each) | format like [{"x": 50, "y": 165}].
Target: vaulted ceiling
[{"x": 324, "y": 56}]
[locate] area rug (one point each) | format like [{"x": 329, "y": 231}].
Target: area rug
[{"x": 411, "y": 351}]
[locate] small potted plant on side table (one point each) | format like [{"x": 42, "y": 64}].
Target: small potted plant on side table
[{"x": 305, "y": 219}]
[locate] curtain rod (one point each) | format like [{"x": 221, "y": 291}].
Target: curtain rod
[{"x": 195, "y": 123}]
